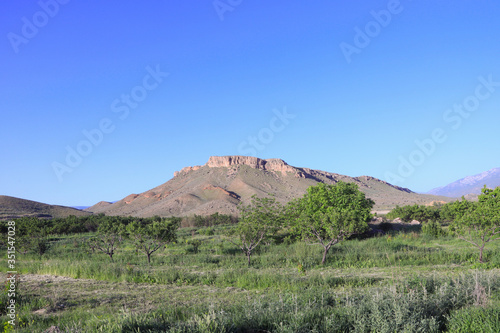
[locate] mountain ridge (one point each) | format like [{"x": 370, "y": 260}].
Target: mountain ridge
[
  {"x": 469, "y": 185},
  {"x": 12, "y": 208},
  {"x": 224, "y": 181}
]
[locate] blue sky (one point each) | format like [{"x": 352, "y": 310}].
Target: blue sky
[{"x": 139, "y": 90}]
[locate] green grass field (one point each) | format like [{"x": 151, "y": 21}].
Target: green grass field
[{"x": 400, "y": 282}]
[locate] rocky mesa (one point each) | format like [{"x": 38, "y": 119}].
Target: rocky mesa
[
  {"x": 224, "y": 181},
  {"x": 273, "y": 164}
]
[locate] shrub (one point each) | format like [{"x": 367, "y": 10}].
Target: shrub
[
  {"x": 433, "y": 228},
  {"x": 415, "y": 212},
  {"x": 195, "y": 245},
  {"x": 207, "y": 231},
  {"x": 211, "y": 220}
]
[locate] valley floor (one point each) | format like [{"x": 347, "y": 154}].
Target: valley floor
[{"x": 404, "y": 282}]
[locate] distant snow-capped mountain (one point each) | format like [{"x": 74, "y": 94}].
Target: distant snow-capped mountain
[{"x": 470, "y": 184}]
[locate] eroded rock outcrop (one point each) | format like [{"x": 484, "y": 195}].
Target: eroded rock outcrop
[
  {"x": 129, "y": 198},
  {"x": 228, "y": 161},
  {"x": 272, "y": 164},
  {"x": 221, "y": 190},
  {"x": 186, "y": 170}
]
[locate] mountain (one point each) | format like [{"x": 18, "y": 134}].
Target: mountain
[
  {"x": 225, "y": 181},
  {"x": 80, "y": 207},
  {"x": 11, "y": 208},
  {"x": 470, "y": 184}
]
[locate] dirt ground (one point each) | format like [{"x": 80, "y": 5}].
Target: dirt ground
[{"x": 60, "y": 293}]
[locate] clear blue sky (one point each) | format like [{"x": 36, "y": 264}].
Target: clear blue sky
[{"x": 361, "y": 91}]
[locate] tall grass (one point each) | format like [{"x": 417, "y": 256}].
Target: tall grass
[
  {"x": 425, "y": 304},
  {"x": 300, "y": 294},
  {"x": 70, "y": 257},
  {"x": 474, "y": 319}
]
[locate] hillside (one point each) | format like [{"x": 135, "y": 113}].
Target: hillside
[
  {"x": 11, "y": 208},
  {"x": 470, "y": 184},
  {"x": 224, "y": 181}
]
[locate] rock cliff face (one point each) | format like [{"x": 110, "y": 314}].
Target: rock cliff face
[
  {"x": 272, "y": 164},
  {"x": 187, "y": 169},
  {"x": 227, "y": 161}
]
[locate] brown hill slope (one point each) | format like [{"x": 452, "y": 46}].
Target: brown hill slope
[
  {"x": 11, "y": 208},
  {"x": 224, "y": 181}
]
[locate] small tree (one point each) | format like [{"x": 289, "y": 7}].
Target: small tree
[
  {"x": 150, "y": 237},
  {"x": 32, "y": 235},
  {"x": 433, "y": 229},
  {"x": 415, "y": 212},
  {"x": 258, "y": 220},
  {"x": 331, "y": 213},
  {"x": 480, "y": 224},
  {"x": 452, "y": 211},
  {"x": 110, "y": 234}
]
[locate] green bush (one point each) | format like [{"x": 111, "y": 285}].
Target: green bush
[
  {"x": 211, "y": 220},
  {"x": 210, "y": 231},
  {"x": 195, "y": 245},
  {"x": 415, "y": 212},
  {"x": 433, "y": 228}
]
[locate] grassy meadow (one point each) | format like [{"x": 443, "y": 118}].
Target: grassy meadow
[{"x": 403, "y": 281}]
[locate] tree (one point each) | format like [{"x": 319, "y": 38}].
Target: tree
[
  {"x": 454, "y": 210},
  {"x": 331, "y": 213},
  {"x": 258, "y": 220},
  {"x": 432, "y": 228},
  {"x": 415, "y": 212},
  {"x": 32, "y": 235},
  {"x": 110, "y": 234},
  {"x": 150, "y": 236},
  {"x": 480, "y": 223}
]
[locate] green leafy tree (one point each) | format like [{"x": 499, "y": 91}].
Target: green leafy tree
[
  {"x": 454, "y": 210},
  {"x": 480, "y": 223},
  {"x": 258, "y": 220},
  {"x": 32, "y": 235},
  {"x": 433, "y": 228},
  {"x": 415, "y": 212},
  {"x": 110, "y": 233},
  {"x": 150, "y": 236},
  {"x": 331, "y": 213},
  {"x": 213, "y": 220}
]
